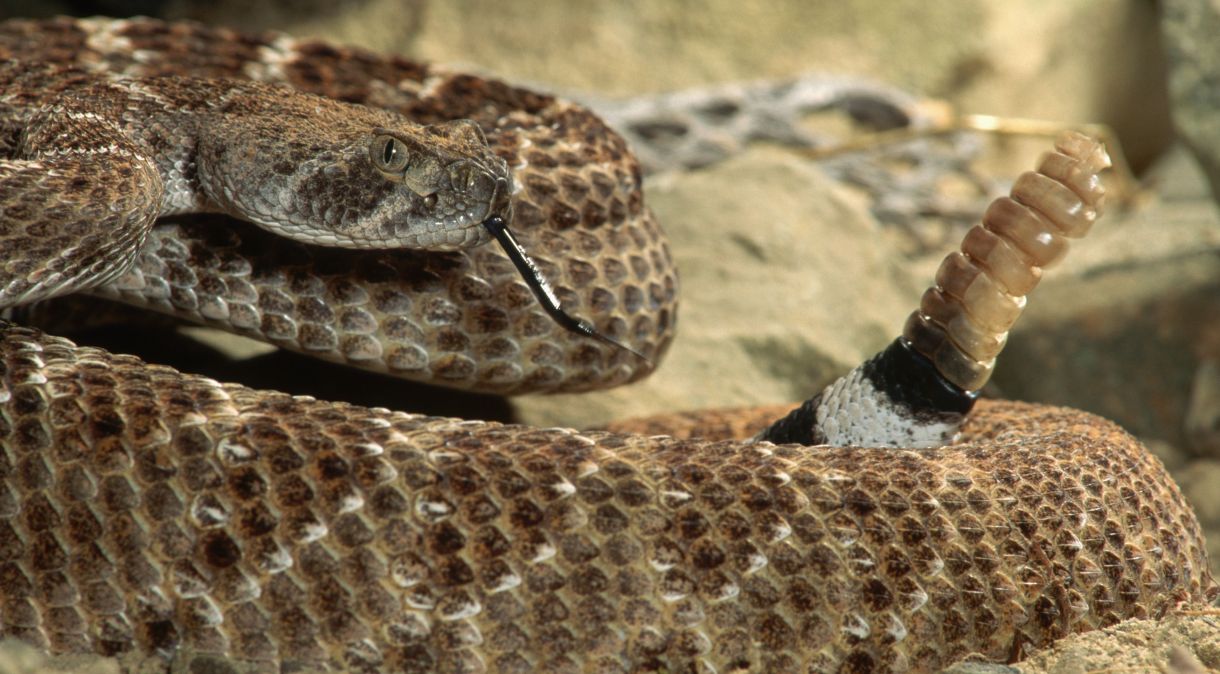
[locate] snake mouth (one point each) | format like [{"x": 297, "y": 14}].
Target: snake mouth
[
  {"x": 457, "y": 218},
  {"x": 452, "y": 218},
  {"x": 501, "y": 204}
]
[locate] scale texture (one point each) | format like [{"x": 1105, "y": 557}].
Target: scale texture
[
  {"x": 463, "y": 318},
  {"x": 151, "y": 511},
  {"x": 146, "y": 509}
]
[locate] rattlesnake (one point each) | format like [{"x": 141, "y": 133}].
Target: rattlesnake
[{"x": 145, "y": 509}]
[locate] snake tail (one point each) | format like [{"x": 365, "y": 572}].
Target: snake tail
[{"x": 918, "y": 390}]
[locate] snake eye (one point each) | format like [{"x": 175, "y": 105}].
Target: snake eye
[{"x": 389, "y": 154}]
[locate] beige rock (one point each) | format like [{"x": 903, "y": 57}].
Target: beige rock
[
  {"x": 1194, "y": 78},
  {"x": 1188, "y": 643},
  {"x": 1179, "y": 644},
  {"x": 1174, "y": 458},
  {"x": 1203, "y": 411},
  {"x": 1199, "y": 481},
  {"x": 1120, "y": 342},
  {"x": 17, "y": 657}
]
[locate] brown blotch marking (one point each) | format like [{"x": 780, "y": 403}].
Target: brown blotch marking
[
  {"x": 256, "y": 520},
  {"x": 445, "y": 539},
  {"x": 247, "y": 483},
  {"x": 219, "y": 550},
  {"x": 452, "y": 340}
]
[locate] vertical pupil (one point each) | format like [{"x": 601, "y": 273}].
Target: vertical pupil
[{"x": 389, "y": 153}]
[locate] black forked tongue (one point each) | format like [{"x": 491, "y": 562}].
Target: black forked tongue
[{"x": 542, "y": 290}]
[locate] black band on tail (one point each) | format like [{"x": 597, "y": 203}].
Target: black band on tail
[
  {"x": 903, "y": 375},
  {"x": 799, "y": 427},
  {"x": 909, "y": 379}
]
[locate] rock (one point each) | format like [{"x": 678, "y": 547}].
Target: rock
[
  {"x": 787, "y": 282},
  {"x": 1198, "y": 481},
  {"x": 18, "y": 657},
  {"x": 1193, "y": 60},
  {"x": 979, "y": 668},
  {"x": 1120, "y": 342},
  {"x": 1202, "y": 423},
  {"x": 1177, "y": 644},
  {"x": 1171, "y": 455}
]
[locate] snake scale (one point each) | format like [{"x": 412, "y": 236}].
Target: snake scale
[{"x": 142, "y": 509}]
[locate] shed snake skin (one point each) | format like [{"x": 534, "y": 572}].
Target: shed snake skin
[{"x": 145, "y": 509}]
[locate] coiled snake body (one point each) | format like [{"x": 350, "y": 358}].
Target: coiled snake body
[{"x": 145, "y": 509}]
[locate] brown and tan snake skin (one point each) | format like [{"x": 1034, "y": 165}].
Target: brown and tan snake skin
[
  {"x": 463, "y": 318},
  {"x": 144, "y": 509}
]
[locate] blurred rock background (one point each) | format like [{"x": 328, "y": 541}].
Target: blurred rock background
[{"x": 793, "y": 273}]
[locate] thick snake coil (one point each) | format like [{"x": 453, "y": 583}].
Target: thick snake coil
[{"x": 144, "y": 509}]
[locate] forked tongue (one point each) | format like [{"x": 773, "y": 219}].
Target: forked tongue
[{"x": 542, "y": 290}]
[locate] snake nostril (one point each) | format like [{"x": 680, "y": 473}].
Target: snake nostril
[
  {"x": 462, "y": 176},
  {"x": 502, "y": 193}
]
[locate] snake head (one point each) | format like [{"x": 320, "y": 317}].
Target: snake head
[
  {"x": 450, "y": 182},
  {"x": 361, "y": 178}
]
